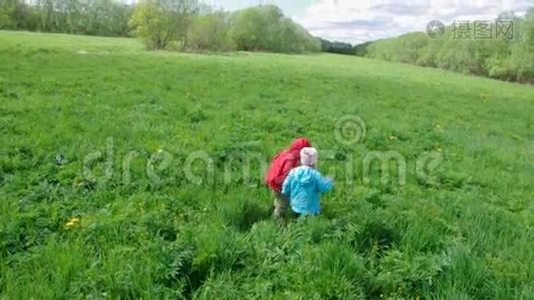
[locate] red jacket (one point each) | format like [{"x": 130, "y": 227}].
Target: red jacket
[{"x": 284, "y": 162}]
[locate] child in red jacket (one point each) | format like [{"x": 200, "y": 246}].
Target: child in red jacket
[{"x": 280, "y": 166}]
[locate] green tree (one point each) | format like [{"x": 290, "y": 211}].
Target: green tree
[
  {"x": 253, "y": 28},
  {"x": 159, "y": 22},
  {"x": 153, "y": 24},
  {"x": 5, "y": 18},
  {"x": 211, "y": 31},
  {"x": 264, "y": 28},
  {"x": 291, "y": 37},
  {"x": 529, "y": 26},
  {"x": 13, "y": 14}
]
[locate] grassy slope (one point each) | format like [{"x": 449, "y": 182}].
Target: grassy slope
[{"x": 468, "y": 236}]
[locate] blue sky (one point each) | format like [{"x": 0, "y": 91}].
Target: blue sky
[{"x": 358, "y": 21}]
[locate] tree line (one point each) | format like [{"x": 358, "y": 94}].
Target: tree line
[
  {"x": 503, "y": 49},
  {"x": 91, "y": 17},
  {"x": 185, "y": 25},
  {"x": 188, "y": 25}
]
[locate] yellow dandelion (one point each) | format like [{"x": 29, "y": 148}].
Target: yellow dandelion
[
  {"x": 72, "y": 223},
  {"x": 393, "y": 138}
]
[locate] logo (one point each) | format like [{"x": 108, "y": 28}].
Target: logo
[{"x": 435, "y": 29}]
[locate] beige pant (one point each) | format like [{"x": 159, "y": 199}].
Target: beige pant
[{"x": 280, "y": 205}]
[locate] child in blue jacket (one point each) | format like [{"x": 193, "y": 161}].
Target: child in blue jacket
[{"x": 304, "y": 185}]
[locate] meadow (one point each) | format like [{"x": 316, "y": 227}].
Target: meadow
[{"x": 113, "y": 179}]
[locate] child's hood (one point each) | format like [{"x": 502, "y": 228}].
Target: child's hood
[{"x": 299, "y": 144}]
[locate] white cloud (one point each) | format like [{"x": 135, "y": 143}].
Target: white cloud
[{"x": 357, "y": 21}]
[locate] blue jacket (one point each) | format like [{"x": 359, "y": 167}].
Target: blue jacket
[{"x": 303, "y": 187}]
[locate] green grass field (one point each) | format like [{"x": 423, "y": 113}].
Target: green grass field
[{"x": 101, "y": 195}]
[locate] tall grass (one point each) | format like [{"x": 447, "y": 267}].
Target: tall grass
[{"x": 466, "y": 235}]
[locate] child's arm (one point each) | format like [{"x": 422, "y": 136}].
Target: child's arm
[{"x": 324, "y": 184}]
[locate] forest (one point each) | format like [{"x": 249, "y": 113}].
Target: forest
[{"x": 184, "y": 25}]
